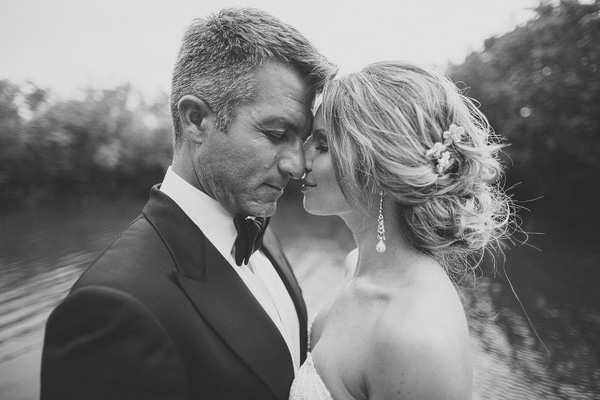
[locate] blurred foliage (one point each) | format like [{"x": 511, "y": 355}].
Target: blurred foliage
[
  {"x": 539, "y": 86},
  {"x": 108, "y": 143}
]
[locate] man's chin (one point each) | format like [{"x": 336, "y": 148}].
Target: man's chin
[{"x": 261, "y": 209}]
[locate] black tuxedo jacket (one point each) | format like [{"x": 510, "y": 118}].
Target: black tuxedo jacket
[{"x": 162, "y": 315}]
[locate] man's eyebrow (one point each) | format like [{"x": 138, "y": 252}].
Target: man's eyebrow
[{"x": 278, "y": 120}]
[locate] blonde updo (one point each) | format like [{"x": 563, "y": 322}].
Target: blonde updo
[{"x": 382, "y": 121}]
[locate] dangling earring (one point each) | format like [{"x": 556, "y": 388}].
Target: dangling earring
[{"x": 380, "y": 227}]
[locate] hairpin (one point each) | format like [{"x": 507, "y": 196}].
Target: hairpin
[{"x": 439, "y": 153}]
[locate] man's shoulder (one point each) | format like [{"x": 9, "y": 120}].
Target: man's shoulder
[{"x": 138, "y": 251}]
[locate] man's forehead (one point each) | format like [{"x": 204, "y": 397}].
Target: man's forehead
[{"x": 282, "y": 82}]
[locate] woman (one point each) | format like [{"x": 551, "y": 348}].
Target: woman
[{"x": 410, "y": 165}]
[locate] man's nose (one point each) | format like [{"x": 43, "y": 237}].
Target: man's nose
[{"x": 292, "y": 160}]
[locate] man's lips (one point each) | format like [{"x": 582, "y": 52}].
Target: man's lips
[{"x": 274, "y": 186}]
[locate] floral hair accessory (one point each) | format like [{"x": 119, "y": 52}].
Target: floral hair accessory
[
  {"x": 454, "y": 134},
  {"x": 439, "y": 153}
]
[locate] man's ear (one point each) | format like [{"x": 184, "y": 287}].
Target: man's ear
[{"x": 196, "y": 117}]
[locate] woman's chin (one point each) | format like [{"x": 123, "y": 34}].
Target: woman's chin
[
  {"x": 324, "y": 209},
  {"x": 306, "y": 205},
  {"x": 309, "y": 207}
]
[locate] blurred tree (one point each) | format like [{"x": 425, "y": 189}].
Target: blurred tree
[
  {"x": 539, "y": 85},
  {"x": 99, "y": 145},
  {"x": 147, "y": 149},
  {"x": 11, "y": 146},
  {"x": 63, "y": 142},
  {"x": 109, "y": 143}
]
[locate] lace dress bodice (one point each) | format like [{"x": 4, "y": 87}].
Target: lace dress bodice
[{"x": 308, "y": 385}]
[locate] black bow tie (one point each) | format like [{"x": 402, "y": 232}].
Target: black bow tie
[{"x": 250, "y": 235}]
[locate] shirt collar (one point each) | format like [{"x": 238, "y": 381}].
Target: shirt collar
[{"x": 212, "y": 219}]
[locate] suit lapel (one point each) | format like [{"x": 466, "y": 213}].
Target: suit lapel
[{"x": 221, "y": 297}]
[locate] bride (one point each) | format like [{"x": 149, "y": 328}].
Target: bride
[{"x": 410, "y": 165}]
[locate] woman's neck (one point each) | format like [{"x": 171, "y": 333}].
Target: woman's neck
[{"x": 399, "y": 259}]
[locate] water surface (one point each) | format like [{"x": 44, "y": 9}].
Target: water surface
[{"x": 551, "y": 351}]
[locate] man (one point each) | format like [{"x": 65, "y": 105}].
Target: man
[{"x": 172, "y": 309}]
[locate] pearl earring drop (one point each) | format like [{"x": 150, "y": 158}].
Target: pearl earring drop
[{"x": 381, "y": 247}]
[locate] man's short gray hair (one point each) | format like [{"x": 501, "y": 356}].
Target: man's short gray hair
[{"x": 219, "y": 55}]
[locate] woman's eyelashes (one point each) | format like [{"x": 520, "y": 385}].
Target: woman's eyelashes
[
  {"x": 320, "y": 141},
  {"x": 316, "y": 141},
  {"x": 322, "y": 147}
]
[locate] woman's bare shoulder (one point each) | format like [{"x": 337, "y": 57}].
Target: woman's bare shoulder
[{"x": 420, "y": 349}]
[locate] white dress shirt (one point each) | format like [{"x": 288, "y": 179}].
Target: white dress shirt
[{"x": 259, "y": 275}]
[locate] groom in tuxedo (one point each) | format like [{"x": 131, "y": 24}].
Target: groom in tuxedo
[{"x": 195, "y": 299}]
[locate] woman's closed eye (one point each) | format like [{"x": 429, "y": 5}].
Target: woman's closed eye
[
  {"x": 322, "y": 147},
  {"x": 319, "y": 140}
]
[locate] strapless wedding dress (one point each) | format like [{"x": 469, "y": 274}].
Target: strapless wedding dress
[{"x": 308, "y": 384}]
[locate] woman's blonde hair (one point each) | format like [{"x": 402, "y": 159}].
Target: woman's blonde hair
[{"x": 383, "y": 120}]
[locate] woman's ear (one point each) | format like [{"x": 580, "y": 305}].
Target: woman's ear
[{"x": 196, "y": 117}]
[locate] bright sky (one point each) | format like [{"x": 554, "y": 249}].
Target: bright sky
[{"x": 66, "y": 45}]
